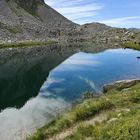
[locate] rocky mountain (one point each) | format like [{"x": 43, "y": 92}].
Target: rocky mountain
[
  {"x": 103, "y": 34},
  {"x": 22, "y": 20},
  {"x": 135, "y": 29},
  {"x": 29, "y": 19}
]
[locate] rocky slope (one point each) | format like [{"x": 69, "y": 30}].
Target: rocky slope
[
  {"x": 29, "y": 20},
  {"x": 22, "y": 20},
  {"x": 103, "y": 34}
]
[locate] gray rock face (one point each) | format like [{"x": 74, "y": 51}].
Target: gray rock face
[
  {"x": 52, "y": 18},
  {"x": 29, "y": 20},
  {"x": 119, "y": 85},
  {"x": 7, "y": 16}
]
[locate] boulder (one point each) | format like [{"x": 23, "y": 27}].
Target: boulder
[{"x": 119, "y": 85}]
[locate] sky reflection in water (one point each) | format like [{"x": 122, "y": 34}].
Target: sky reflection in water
[{"x": 89, "y": 72}]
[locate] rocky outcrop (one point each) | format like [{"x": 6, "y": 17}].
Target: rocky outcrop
[
  {"x": 119, "y": 85},
  {"x": 101, "y": 33}
]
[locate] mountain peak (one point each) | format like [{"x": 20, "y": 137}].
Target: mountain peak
[
  {"x": 39, "y": 10},
  {"x": 30, "y": 19},
  {"x": 30, "y": 5}
]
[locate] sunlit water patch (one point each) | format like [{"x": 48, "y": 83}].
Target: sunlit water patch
[
  {"x": 84, "y": 72},
  {"x": 80, "y": 73}
]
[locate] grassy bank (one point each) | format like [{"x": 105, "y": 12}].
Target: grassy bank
[
  {"x": 26, "y": 44},
  {"x": 131, "y": 45},
  {"x": 121, "y": 108}
]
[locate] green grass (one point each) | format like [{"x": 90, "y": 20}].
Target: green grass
[
  {"x": 125, "y": 128},
  {"x": 81, "y": 112},
  {"x": 126, "y": 125},
  {"x": 26, "y": 44},
  {"x": 131, "y": 45}
]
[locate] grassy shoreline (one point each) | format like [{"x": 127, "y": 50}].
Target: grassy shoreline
[
  {"x": 131, "y": 45},
  {"x": 26, "y": 44},
  {"x": 123, "y": 116}
]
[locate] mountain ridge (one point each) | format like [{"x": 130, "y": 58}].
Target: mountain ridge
[
  {"x": 34, "y": 20},
  {"x": 20, "y": 23}
]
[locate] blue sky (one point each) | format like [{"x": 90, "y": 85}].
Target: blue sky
[{"x": 116, "y": 13}]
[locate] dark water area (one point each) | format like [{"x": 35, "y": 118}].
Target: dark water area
[{"x": 21, "y": 78}]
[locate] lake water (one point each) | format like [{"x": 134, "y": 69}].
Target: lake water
[
  {"x": 89, "y": 72},
  {"x": 22, "y": 77},
  {"x": 64, "y": 85}
]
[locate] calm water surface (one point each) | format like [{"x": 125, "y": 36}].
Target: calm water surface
[
  {"x": 65, "y": 84},
  {"x": 21, "y": 78},
  {"x": 89, "y": 72}
]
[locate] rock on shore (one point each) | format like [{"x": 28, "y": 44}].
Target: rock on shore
[{"x": 119, "y": 85}]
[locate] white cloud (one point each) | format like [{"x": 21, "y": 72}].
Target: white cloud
[
  {"x": 20, "y": 123},
  {"x": 83, "y": 59},
  {"x": 132, "y": 21},
  {"x": 50, "y": 80},
  {"x": 76, "y": 10},
  {"x": 81, "y": 62},
  {"x": 89, "y": 82},
  {"x": 86, "y": 11},
  {"x": 78, "y": 62},
  {"x": 79, "y": 9},
  {"x": 79, "y": 15}
]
